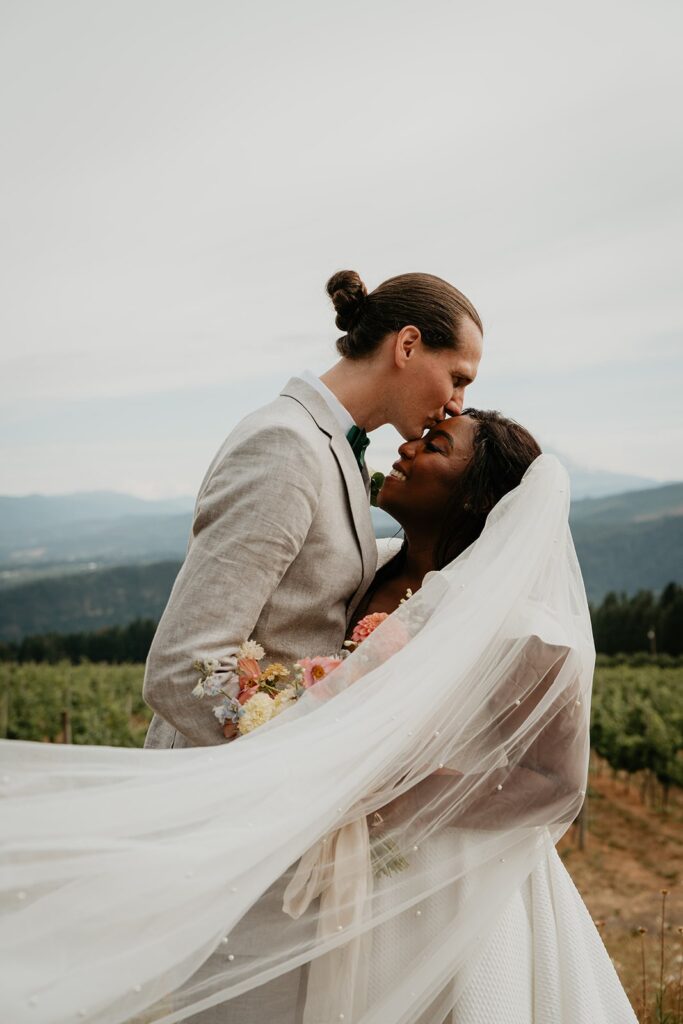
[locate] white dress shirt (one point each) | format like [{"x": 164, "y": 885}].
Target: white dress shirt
[{"x": 340, "y": 413}]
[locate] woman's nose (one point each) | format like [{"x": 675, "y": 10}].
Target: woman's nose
[{"x": 407, "y": 449}]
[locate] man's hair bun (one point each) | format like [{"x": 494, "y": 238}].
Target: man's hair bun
[
  {"x": 348, "y": 294},
  {"x": 429, "y": 303}
]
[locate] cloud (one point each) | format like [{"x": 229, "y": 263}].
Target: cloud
[{"x": 177, "y": 190}]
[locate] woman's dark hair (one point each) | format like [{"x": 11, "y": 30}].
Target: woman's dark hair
[
  {"x": 503, "y": 451},
  {"x": 424, "y": 301}
]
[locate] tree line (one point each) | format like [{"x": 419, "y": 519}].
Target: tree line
[
  {"x": 116, "y": 645},
  {"x": 643, "y": 623}
]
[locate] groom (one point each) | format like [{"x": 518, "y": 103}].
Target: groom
[
  {"x": 282, "y": 546},
  {"x": 283, "y": 550}
]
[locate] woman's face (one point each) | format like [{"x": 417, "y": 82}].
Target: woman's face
[{"x": 421, "y": 482}]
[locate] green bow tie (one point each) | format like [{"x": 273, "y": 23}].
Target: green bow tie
[{"x": 359, "y": 441}]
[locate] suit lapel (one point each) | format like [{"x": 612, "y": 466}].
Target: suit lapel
[{"x": 357, "y": 483}]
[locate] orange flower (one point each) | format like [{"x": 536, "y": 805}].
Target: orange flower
[
  {"x": 248, "y": 671},
  {"x": 367, "y": 625},
  {"x": 246, "y": 693}
]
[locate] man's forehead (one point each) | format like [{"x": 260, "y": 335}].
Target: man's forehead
[{"x": 470, "y": 343}]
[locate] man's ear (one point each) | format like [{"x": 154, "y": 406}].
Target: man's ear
[{"x": 406, "y": 344}]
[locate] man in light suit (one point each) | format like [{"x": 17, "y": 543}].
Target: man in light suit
[{"x": 283, "y": 549}]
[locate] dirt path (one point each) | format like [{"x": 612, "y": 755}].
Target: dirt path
[{"x": 631, "y": 853}]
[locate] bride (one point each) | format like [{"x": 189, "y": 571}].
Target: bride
[
  {"x": 441, "y": 490},
  {"x": 395, "y": 827}
]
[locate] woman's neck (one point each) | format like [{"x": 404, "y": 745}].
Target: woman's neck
[
  {"x": 418, "y": 560},
  {"x": 391, "y": 585}
]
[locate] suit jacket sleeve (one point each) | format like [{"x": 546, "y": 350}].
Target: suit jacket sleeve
[{"x": 250, "y": 523}]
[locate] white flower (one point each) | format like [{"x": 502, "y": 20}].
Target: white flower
[
  {"x": 215, "y": 683},
  {"x": 227, "y": 711},
  {"x": 257, "y": 710},
  {"x": 198, "y": 690},
  {"x": 222, "y": 712},
  {"x": 250, "y": 649},
  {"x": 211, "y": 665}
]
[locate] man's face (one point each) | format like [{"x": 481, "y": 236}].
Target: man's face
[{"x": 434, "y": 382}]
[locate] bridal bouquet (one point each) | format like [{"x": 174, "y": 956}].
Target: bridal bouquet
[{"x": 252, "y": 694}]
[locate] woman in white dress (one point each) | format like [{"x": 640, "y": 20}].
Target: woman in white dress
[
  {"x": 412, "y": 797},
  {"x": 544, "y": 961}
]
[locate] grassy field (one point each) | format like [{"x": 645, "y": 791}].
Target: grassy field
[
  {"x": 89, "y": 703},
  {"x": 632, "y": 846}
]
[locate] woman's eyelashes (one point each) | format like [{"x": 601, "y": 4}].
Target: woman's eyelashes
[{"x": 431, "y": 447}]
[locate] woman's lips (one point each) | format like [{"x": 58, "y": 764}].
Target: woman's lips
[{"x": 397, "y": 474}]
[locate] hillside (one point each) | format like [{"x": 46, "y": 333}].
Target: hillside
[
  {"x": 84, "y": 573},
  {"x": 34, "y": 512},
  {"x": 38, "y": 549},
  {"x": 633, "y": 507},
  {"x": 88, "y": 601},
  {"x": 629, "y": 556},
  {"x": 111, "y": 541}
]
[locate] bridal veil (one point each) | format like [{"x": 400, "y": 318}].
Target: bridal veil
[{"x": 423, "y": 777}]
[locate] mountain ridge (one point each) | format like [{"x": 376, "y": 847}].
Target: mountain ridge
[{"x": 89, "y": 573}]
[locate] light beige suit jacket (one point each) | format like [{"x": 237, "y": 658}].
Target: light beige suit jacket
[{"x": 282, "y": 550}]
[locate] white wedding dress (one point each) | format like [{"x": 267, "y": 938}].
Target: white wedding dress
[
  {"x": 463, "y": 719},
  {"x": 543, "y": 961}
]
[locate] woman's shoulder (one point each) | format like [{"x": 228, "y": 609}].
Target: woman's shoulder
[{"x": 387, "y": 547}]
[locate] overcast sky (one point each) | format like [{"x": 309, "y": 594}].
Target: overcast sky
[{"x": 179, "y": 180}]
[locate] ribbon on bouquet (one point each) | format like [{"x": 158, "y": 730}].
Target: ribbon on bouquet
[{"x": 337, "y": 868}]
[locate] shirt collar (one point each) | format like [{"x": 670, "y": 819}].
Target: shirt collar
[{"x": 340, "y": 413}]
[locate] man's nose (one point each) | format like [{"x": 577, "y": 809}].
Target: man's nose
[{"x": 454, "y": 407}]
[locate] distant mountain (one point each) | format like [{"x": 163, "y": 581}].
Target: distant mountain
[
  {"x": 113, "y": 541},
  {"x": 87, "y": 602},
  {"x": 628, "y": 557},
  {"x": 634, "y": 507},
  {"x": 107, "y": 527},
  {"x": 622, "y": 557},
  {"x": 37, "y": 535},
  {"x": 79, "y": 575},
  {"x": 597, "y": 483},
  {"x": 101, "y": 526},
  {"x": 630, "y": 542},
  {"x": 34, "y": 512}
]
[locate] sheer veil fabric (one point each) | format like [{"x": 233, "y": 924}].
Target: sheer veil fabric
[{"x": 425, "y": 776}]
